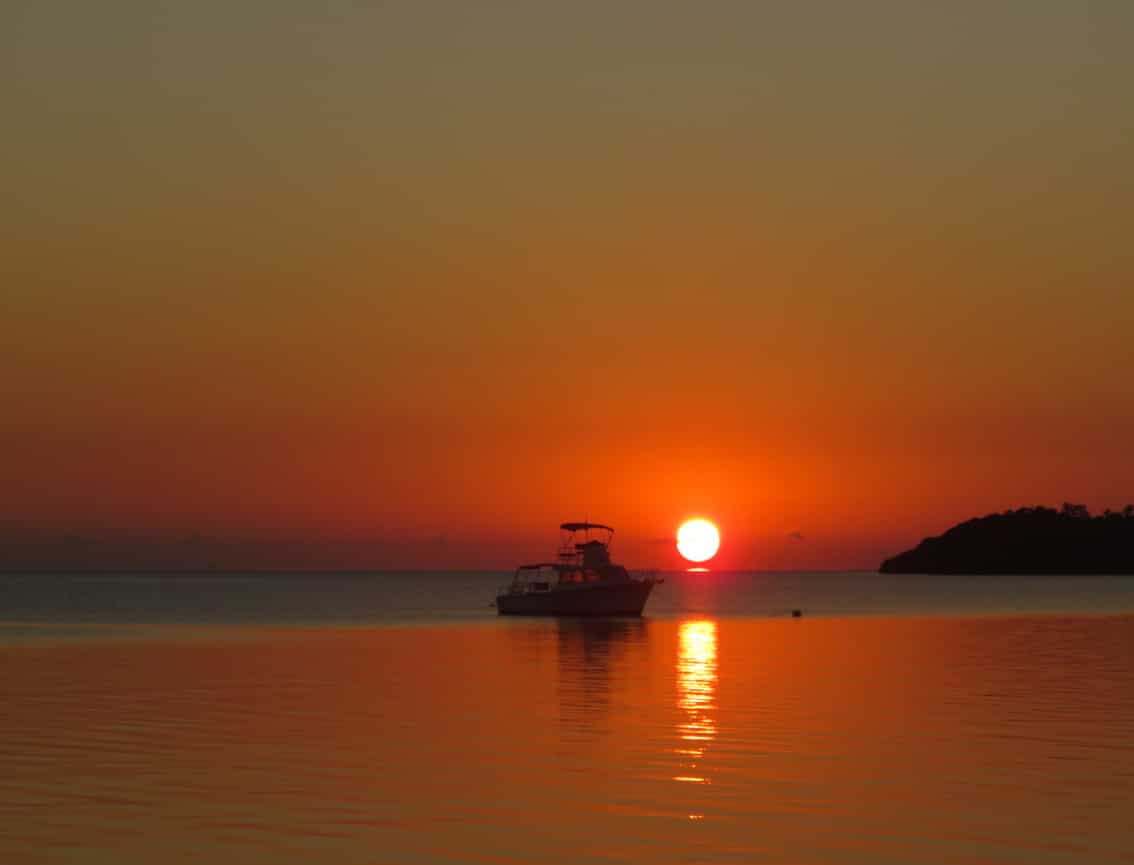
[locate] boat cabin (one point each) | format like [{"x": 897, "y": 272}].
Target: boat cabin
[{"x": 582, "y": 559}]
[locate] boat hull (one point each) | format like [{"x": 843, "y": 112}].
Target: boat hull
[{"x": 596, "y": 599}]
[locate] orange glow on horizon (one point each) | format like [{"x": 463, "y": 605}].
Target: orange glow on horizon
[{"x": 350, "y": 366}]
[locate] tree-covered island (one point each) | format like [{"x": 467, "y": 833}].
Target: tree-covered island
[{"x": 1035, "y": 540}]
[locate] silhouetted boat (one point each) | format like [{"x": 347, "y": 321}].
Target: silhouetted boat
[{"x": 583, "y": 582}]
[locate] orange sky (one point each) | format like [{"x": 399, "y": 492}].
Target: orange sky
[{"x": 405, "y": 274}]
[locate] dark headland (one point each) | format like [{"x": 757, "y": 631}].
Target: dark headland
[{"x": 1027, "y": 541}]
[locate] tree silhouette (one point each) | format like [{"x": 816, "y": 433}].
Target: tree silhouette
[{"x": 1075, "y": 512}]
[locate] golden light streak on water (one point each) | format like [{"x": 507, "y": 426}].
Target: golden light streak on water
[{"x": 696, "y": 684}]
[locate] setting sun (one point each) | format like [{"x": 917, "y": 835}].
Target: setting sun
[{"x": 698, "y": 540}]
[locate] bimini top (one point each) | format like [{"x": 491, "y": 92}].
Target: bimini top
[{"x": 582, "y": 527}]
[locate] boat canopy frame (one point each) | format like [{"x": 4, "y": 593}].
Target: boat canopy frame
[
  {"x": 570, "y": 550},
  {"x": 584, "y": 527}
]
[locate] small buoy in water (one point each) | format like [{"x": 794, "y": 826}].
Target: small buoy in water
[{"x": 795, "y": 614}]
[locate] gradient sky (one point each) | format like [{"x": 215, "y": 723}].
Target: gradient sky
[{"x": 443, "y": 274}]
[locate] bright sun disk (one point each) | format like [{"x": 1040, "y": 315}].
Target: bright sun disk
[{"x": 698, "y": 540}]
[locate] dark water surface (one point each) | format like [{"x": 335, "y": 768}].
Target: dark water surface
[
  {"x": 394, "y": 719},
  {"x": 437, "y": 597}
]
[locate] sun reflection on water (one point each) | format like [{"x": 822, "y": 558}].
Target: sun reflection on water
[{"x": 696, "y": 684}]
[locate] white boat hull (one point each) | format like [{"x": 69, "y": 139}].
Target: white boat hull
[{"x": 585, "y": 599}]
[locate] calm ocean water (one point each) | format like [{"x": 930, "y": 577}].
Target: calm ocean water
[
  {"x": 392, "y": 718},
  {"x": 447, "y": 597}
]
